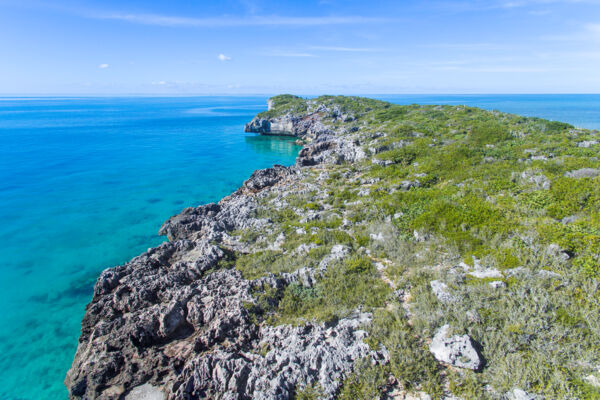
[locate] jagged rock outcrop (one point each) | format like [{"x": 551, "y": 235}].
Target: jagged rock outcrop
[
  {"x": 172, "y": 324},
  {"x": 303, "y": 126},
  {"x": 339, "y": 248}
]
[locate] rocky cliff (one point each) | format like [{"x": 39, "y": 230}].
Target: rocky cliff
[
  {"x": 398, "y": 257},
  {"x": 173, "y": 324}
]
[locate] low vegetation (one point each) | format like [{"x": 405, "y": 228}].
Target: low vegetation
[{"x": 494, "y": 192}]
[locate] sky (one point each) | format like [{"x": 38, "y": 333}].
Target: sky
[{"x": 189, "y": 47}]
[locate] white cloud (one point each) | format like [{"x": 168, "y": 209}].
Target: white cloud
[
  {"x": 103, "y": 66},
  {"x": 164, "y": 20},
  {"x": 223, "y": 57}
]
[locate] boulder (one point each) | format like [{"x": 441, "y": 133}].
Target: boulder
[
  {"x": 407, "y": 185},
  {"x": 458, "y": 351},
  {"x": 520, "y": 394},
  {"x": 145, "y": 392}
]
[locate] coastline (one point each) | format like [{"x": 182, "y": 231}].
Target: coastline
[
  {"x": 184, "y": 260},
  {"x": 180, "y": 322}
]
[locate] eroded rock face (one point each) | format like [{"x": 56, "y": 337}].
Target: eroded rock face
[
  {"x": 307, "y": 355},
  {"x": 173, "y": 324},
  {"x": 191, "y": 335},
  {"x": 163, "y": 314},
  {"x": 291, "y": 125},
  {"x": 456, "y": 350},
  {"x": 297, "y": 356}
]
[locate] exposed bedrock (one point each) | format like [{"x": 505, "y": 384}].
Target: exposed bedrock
[
  {"x": 309, "y": 126},
  {"x": 173, "y": 324}
]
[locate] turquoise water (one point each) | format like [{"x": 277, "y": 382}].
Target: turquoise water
[{"x": 85, "y": 183}]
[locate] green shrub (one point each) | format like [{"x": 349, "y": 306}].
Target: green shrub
[
  {"x": 365, "y": 383},
  {"x": 488, "y": 132}
]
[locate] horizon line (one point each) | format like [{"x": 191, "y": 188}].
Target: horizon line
[{"x": 113, "y": 95}]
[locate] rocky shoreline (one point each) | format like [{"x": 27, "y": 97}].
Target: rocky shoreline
[
  {"x": 411, "y": 252},
  {"x": 166, "y": 325}
]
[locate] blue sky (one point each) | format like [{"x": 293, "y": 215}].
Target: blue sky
[{"x": 304, "y": 47}]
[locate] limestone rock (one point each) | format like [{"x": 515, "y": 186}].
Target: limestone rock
[
  {"x": 442, "y": 292},
  {"x": 535, "y": 178},
  {"x": 456, "y": 350},
  {"x": 174, "y": 324},
  {"x": 583, "y": 173},
  {"x": 307, "y": 355},
  {"x": 587, "y": 143},
  {"x": 145, "y": 392},
  {"x": 497, "y": 284},
  {"x": 407, "y": 185},
  {"x": 520, "y": 394}
]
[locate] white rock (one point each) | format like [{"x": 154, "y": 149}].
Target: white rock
[
  {"x": 548, "y": 274},
  {"x": 380, "y": 266},
  {"x": 583, "y": 173},
  {"x": 485, "y": 273},
  {"x": 145, "y": 392},
  {"x": 338, "y": 251},
  {"x": 592, "y": 380},
  {"x": 535, "y": 178},
  {"x": 515, "y": 271},
  {"x": 455, "y": 350},
  {"x": 497, "y": 284},
  {"x": 587, "y": 143},
  {"x": 305, "y": 248},
  {"x": 442, "y": 292},
  {"x": 569, "y": 220},
  {"x": 276, "y": 245},
  {"x": 376, "y": 236},
  {"x": 520, "y": 394},
  {"x": 420, "y": 237}
]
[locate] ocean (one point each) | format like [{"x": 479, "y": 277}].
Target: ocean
[{"x": 85, "y": 183}]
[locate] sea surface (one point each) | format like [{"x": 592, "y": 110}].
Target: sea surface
[{"x": 85, "y": 183}]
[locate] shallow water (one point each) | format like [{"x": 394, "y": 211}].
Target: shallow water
[{"x": 85, "y": 183}]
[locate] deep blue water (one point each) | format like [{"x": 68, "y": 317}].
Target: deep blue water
[{"x": 85, "y": 183}]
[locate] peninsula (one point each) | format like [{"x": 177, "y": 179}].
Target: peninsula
[{"x": 412, "y": 252}]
